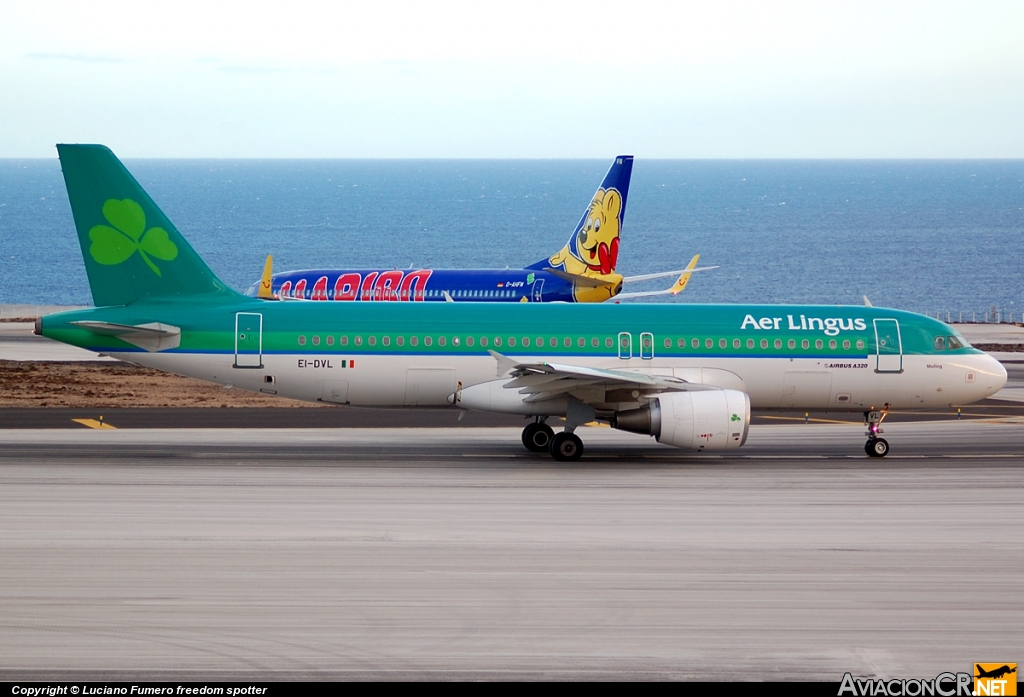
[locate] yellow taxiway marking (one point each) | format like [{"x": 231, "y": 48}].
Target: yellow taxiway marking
[{"x": 93, "y": 423}]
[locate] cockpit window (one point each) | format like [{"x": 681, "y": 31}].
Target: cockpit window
[
  {"x": 954, "y": 343},
  {"x": 940, "y": 343}
]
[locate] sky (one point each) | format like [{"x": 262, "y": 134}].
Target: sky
[{"x": 548, "y": 79}]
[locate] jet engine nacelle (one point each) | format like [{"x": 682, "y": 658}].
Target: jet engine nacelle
[{"x": 702, "y": 420}]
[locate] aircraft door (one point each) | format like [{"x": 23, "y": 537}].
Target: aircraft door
[
  {"x": 646, "y": 346},
  {"x": 248, "y": 340},
  {"x": 538, "y": 290},
  {"x": 888, "y": 346},
  {"x": 625, "y": 345}
]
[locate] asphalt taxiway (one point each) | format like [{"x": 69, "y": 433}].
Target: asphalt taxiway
[{"x": 454, "y": 553}]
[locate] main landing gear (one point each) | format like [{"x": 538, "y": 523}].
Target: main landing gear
[
  {"x": 538, "y": 437},
  {"x": 565, "y": 446},
  {"x": 876, "y": 447}
]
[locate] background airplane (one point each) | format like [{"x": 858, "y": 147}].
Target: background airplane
[
  {"x": 582, "y": 271},
  {"x": 687, "y": 374}
]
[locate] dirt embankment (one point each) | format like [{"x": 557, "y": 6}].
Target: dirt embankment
[{"x": 83, "y": 384}]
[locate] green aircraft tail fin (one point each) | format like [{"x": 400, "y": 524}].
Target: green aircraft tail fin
[{"x": 131, "y": 250}]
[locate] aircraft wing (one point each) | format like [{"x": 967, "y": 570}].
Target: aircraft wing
[
  {"x": 153, "y": 336},
  {"x": 541, "y": 381}
]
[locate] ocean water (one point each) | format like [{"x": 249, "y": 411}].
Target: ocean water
[{"x": 927, "y": 236}]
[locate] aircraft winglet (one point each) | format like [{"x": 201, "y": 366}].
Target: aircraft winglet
[
  {"x": 505, "y": 364},
  {"x": 266, "y": 283},
  {"x": 684, "y": 278}
]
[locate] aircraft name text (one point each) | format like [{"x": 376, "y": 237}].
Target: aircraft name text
[{"x": 830, "y": 326}]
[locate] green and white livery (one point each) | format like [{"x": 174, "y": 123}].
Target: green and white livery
[{"x": 687, "y": 374}]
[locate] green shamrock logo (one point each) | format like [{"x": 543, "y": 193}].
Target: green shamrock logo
[
  {"x": 529, "y": 279},
  {"x": 114, "y": 245},
  {"x": 735, "y": 417}
]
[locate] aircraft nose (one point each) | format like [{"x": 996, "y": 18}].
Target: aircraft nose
[{"x": 991, "y": 374}]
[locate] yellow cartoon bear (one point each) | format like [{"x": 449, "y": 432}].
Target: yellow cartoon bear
[{"x": 594, "y": 249}]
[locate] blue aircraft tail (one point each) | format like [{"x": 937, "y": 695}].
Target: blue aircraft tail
[{"x": 593, "y": 248}]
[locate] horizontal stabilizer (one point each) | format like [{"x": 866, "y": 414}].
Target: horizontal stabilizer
[
  {"x": 153, "y": 336},
  {"x": 588, "y": 281}
]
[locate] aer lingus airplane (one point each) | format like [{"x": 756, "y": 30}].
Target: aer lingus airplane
[
  {"x": 686, "y": 374},
  {"x": 582, "y": 271}
]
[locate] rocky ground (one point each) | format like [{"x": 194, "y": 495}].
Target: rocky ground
[{"x": 85, "y": 384}]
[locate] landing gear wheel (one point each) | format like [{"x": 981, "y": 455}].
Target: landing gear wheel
[
  {"x": 537, "y": 437},
  {"x": 566, "y": 447},
  {"x": 877, "y": 447}
]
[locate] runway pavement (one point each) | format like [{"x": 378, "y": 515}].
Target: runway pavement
[{"x": 454, "y": 553}]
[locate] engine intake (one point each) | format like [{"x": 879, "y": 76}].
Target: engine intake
[{"x": 704, "y": 420}]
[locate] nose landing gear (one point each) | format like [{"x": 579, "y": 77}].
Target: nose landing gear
[{"x": 876, "y": 447}]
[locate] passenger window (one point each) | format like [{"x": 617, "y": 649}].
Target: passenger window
[
  {"x": 511, "y": 341},
  {"x": 819, "y": 344},
  {"x": 455, "y": 341},
  {"x": 469, "y": 341},
  {"x": 302, "y": 341},
  {"x": 608, "y": 342},
  {"x": 400, "y": 340},
  {"x": 581, "y": 342},
  {"x": 722, "y": 343},
  {"x": 497, "y": 341},
  {"x": 778, "y": 343},
  {"x": 735, "y": 343},
  {"x": 695, "y": 343},
  {"x": 343, "y": 341},
  {"x": 764, "y": 343},
  {"x": 414, "y": 340},
  {"x": 372, "y": 341},
  {"x": 594, "y": 342},
  {"x": 805, "y": 344},
  {"x": 750, "y": 343},
  {"x": 316, "y": 341},
  {"x": 791, "y": 343},
  {"x": 567, "y": 342},
  {"x": 386, "y": 341},
  {"x": 681, "y": 343},
  {"x": 846, "y": 344},
  {"x": 709, "y": 343},
  {"x": 483, "y": 341},
  {"x": 330, "y": 341},
  {"x": 359, "y": 341},
  {"x": 832, "y": 343},
  {"x": 668, "y": 343},
  {"x": 427, "y": 341},
  {"x": 553, "y": 342},
  {"x": 954, "y": 343},
  {"x": 860, "y": 344},
  {"x": 940, "y": 343},
  {"x": 441, "y": 341}
]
